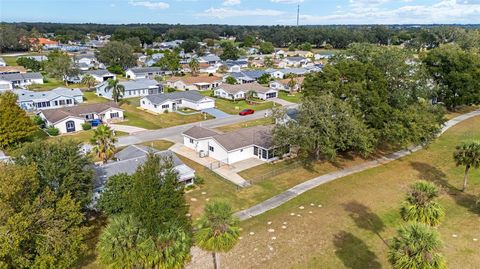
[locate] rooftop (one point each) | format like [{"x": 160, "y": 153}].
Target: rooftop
[
  {"x": 55, "y": 115},
  {"x": 187, "y": 95}
]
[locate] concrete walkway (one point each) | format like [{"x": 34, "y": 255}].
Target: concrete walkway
[
  {"x": 295, "y": 191},
  {"x": 126, "y": 128},
  {"x": 226, "y": 171}
]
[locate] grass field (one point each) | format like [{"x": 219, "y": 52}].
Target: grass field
[
  {"x": 92, "y": 98},
  {"x": 159, "y": 144},
  {"x": 232, "y": 107},
  {"x": 359, "y": 214},
  {"x": 295, "y": 98},
  {"x": 81, "y": 136},
  {"x": 251, "y": 123}
]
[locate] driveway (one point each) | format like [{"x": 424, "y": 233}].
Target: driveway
[
  {"x": 217, "y": 113},
  {"x": 126, "y": 128},
  {"x": 282, "y": 102}
]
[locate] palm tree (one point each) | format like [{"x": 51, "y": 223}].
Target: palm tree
[
  {"x": 104, "y": 142},
  {"x": 420, "y": 206},
  {"x": 467, "y": 154},
  {"x": 117, "y": 89},
  {"x": 194, "y": 66},
  {"x": 89, "y": 81},
  {"x": 291, "y": 85},
  {"x": 416, "y": 247},
  {"x": 218, "y": 230}
]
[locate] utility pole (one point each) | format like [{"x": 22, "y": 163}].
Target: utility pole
[{"x": 298, "y": 14}]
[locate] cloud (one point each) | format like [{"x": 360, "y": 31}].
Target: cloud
[
  {"x": 287, "y": 1},
  {"x": 222, "y": 13},
  {"x": 375, "y": 12},
  {"x": 150, "y": 4},
  {"x": 231, "y": 2}
]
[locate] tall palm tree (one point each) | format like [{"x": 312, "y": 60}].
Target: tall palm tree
[
  {"x": 104, "y": 142},
  {"x": 194, "y": 66},
  {"x": 416, "y": 247},
  {"x": 420, "y": 204},
  {"x": 89, "y": 81},
  {"x": 218, "y": 230},
  {"x": 291, "y": 85},
  {"x": 467, "y": 154},
  {"x": 118, "y": 90}
]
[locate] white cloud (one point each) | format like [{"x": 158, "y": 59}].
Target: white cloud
[
  {"x": 287, "y": 1},
  {"x": 222, "y": 13},
  {"x": 231, "y": 2},
  {"x": 150, "y": 4}
]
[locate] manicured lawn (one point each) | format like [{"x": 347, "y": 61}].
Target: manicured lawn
[
  {"x": 159, "y": 144},
  {"x": 139, "y": 118},
  {"x": 91, "y": 98},
  {"x": 360, "y": 211},
  {"x": 236, "y": 126},
  {"x": 295, "y": 98},
  {"x": 10, "y": 60},
  {"x": 51, "y": 83},
  {"x": 232, "y": 107},
  {"x": 81, "y": 136}
]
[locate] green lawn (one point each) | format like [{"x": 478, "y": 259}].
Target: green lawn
[
  {"x": 251, "y": 123},
  {"x": 91, "y": 98},
  {"x": 159, "y": 144},
  {"x": 295, "y": 98},
  {"x": 81, "y": 136},
  {"x": 139, "y": 118},
  {"x": 10, "y": 60},
  {"x": 360, "y": 211},
  {"x": 233, "y": 107},
  {"x": 51, "y": 83}
]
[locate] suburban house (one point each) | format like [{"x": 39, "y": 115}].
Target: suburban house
[
  {"x": 291, "y": 114},
  {"x": 302, "y": 53},
  {"x": 58, "y": 97},
  {"x": 209, "y": 59},
  {"x": 100, "y": 75},
  {"x": 153, "y": 59},
  {"x": 86, "y": 61},
  {"x": 232, "y": 147},
  {"x": 143, "y": 72},
  {"x": 211, "y": 69},
  {"x": 295, "y": 61},
  {"x": 2, "y": 62},
  {"x": 284, "y": 84},
  {"x": 12, "y": 70},
  {"x": 247, "y": 76},
  {"x": 191, "y": 83},
  {"x": 130, "y": 158},
  {"x": 70, "y": 119},
  {"x": 21, "y": 79},
  {"x": 280, "y": 73},
  {"x": 133, "y": 88},
  {"x": 240, "y": 91},
  {"x": 159, "y": 103}
]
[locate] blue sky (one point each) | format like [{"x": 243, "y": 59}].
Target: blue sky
[{"x": 245, "y": 12}]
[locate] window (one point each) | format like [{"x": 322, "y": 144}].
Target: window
[
  {"x": 191, "y": 141},
  {"x": 62, "y": 102},
  {"x": 143, "y": 101},
  {"x": 210, "y": 148},
  {"x": 271, "y": 95},
  {"x": 241, "y": 150},
  {"x": 69, "y": 101},
  {"x": 56, "y": 103},
  {"x": 155, "y": 106},
  {"x": 114, "y": 115},
  {"x": 166, "y": 106}
]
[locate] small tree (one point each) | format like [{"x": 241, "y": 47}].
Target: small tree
[
  {"x": 416, "y": 246},
  {"x": 420, "y": 204},
  {"x": 118, "y": 90},
  {"x": 104, "y": 142},
  {"x": 15, "y": 125},
  {"x": 264, "y": 78},
  {"x": 194, "y": 66},
  {"x": 89, "y": 81},
  {"x": 467, "y": 154},
  {"x": 231, "y": 80},
  {"x": 218, "y": 230}
]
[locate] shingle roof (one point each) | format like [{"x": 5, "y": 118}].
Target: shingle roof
[
  {"x": 199, "y": 132},
  {"x": 55, "y": 115},
  {"x": 143, "y": 70},
  {"x": 98, "y": 72},
  {"x": 26, "y": 95},
  {"x": 233, "y": 89},
  {"x": 199, "y": 79},
  {"x": 259, "y": 135},
  {"x": 160, "y": 98},
  {"x": 21, "y": 76}
]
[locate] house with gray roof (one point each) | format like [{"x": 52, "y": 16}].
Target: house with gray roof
[
  {"x": 232, "y": 147},
  {"x": 129, "y": 159},
  {"x": 144, "y": 72},
  {"x": 159, "y": 103},
  {"x": 21, "y": 80},
  {"x": 247, "y": 76},
  {"x": 240, "y": 91},
  {"x": 100, "y": 75},
  {"x": 209, "y": 59},
  {"x": 133, "y": 88},
  {"x": 153, "y": 59},
  {"x": 56, "y": 98}
]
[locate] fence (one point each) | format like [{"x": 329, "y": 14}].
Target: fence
[{"x": 276, "y": 171}]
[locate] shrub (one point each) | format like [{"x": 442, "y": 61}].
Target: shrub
[
  {"x": 116, "y": 70},
  {"x": 37, "y": 120},
  {"x": 52, "y": 131},
  {"x": 199, "y": 180},
  {"x": 86, "y": 126},
  {"x": 165, "y": 111}
]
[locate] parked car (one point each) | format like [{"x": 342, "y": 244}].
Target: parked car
[
  {"x": 246, "y": 112},
  {"x": 96, "y": 122}
]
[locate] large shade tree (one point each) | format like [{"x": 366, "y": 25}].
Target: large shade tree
[
  {"x": 416, "y": 247},
  {"x": 420, "y": 204},
  {"x": 116, "y": 53},
  {"x": 468, "y": 155},
  {"x": 217, "y": 230},
  {"x": 104, "y": 142},
  {"x": 15, "y": 126}
]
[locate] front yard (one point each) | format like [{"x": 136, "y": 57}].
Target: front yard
[
  {"x": 251, "y": 123},
  {"x": 295, "y": 98},
  {"x": 233, "y": 107}
]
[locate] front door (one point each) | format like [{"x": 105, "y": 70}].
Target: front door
[{"x": 70, "y": 126}]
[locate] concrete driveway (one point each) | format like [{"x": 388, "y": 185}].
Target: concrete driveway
[
  {"x": 126, "y": 128},
  {"x": 217, "y": 113}
]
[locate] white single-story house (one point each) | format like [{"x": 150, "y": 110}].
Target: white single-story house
[
  {"x": 247, "y": 76},
  {"x": 133, "y": 88},
  {"x": 56, "y": 98},
  {"x": 21, "y": 79},
  {"x": 232, "y": 147},
  {"x": 2, "y": 62},
  {"x": 100, "y": 75},
  {"x": 240, "y": 91},
  {"x": 209, "y": 59},
  {"x": 159, "y": 103},
  {"x": 70, "y": 119},
  {"x": 144, "y": 72},
  {"x": 284, "y": 84},
  {"x": 191, "y": 83},
  {"x": 212, "y": 69}
]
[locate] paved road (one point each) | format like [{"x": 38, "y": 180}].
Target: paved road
[
  {"x": 291, "y": 193},
  {"x": 174, "y": 133}
]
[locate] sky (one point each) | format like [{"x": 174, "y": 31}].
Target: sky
[{"x": 243, "y": 12}]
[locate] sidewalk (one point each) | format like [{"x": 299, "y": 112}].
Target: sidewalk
[
  {"x": 225, "y": 171},
  {"x": 126, "y": 128}
]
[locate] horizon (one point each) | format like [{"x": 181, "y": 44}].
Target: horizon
[{"x": 243, "y": 12}]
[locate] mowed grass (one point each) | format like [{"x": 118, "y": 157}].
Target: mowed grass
[
  {"x": 90, "y": 97},
  {"x": 233, "y": 107},
  {"x": 159, "y": 144},
  {"x": 251, "y": 123},
  {"x": 81, "y": 136},
  {"x": 295, "y": 98},
  {"x": 359, "y": 213},
  {"x": 143, "y": 119}
]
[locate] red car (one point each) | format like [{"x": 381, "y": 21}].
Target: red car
[{"x": 246, "y": 112}]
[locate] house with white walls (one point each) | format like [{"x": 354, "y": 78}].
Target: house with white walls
[
  {"x": 240, "y": 91},
  {"x": 133, "y": 88},
  {"x": 144, "y": 72},
  {"x": 171, "y": 102},
  {"x": 21, "y": 80},
  {"x": 192, "y": 83},
  {"x": 56, "y": 98}
]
